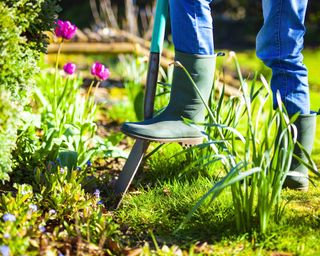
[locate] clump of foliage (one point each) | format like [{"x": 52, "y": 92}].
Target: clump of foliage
[
  {"x": 9, "y": 112},
  {"x": 34, "y": 222},
  {"x": 22, "y": 39}
]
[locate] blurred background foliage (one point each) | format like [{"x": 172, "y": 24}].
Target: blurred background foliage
[{"x": 239, "y": 18}]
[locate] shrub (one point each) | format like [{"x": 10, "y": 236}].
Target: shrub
[
  {"x": 22, "y": 23},
  {"x": 9, "y": 112},
  {"x": 22, "y": 39}
]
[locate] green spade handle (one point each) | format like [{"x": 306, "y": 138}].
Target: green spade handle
[
  {"x": 154, "y": 57},
  {"x": 159, "y": 25}
]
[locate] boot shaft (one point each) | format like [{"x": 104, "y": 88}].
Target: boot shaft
[
  {"x": 306, "y": 127},
  {"x": 297, "y": 177},
  {"x": 184, "y": 99}
]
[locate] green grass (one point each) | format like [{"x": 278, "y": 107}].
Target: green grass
[
  {"x": 250, "y": 64},
  {"x": 161, "y": 198},
  {"x": 165, "y": 191},
  {"x": 311, "y": 60}
]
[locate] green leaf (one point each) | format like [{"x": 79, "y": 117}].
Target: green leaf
[{"x": 68, "y": 159}]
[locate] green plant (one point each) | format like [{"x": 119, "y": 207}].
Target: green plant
[
  {"x": 28, "y": 216},
  {"x": 21, "y": 40},
  {"x": 54, "y": 179},
  {"x": 61, "y": 125},
  {"x": 255, "y": 163},
  {"x": 19, "y": 219},
  {"x": 83, "y": 214},
  {"x": 70, "y": 128},
  {"x": 9, "y": 123},
  {"x": 71, "y": 124}
]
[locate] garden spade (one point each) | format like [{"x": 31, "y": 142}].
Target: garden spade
[{"x": 140, "y": 146}]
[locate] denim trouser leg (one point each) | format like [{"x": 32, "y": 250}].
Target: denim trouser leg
[
  {"x": 191, "y": 25},
  {"x": 279, "y": 45}
]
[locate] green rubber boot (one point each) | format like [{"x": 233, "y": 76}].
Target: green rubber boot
[
  {"x": 184, "y": 102},
  {"x": 297, "y": 178}
]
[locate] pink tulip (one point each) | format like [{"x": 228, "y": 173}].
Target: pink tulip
[
  {"x": 65, "y": 29},
  {"x": 69, "y": 68},
  {"x": 100, "y": 71}
]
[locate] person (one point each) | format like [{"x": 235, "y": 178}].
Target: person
[{"x": 278, "y": 44}]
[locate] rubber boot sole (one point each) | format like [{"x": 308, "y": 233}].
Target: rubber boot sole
[{"x": 183, "y": 141}]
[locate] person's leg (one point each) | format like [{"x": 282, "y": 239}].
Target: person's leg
[
  {"x": 192, "y": 34},
  {"x": 192, "y": 26},
  {"x": 279, "y": 46}
]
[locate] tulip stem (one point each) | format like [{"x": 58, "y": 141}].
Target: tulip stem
[
  {"x": 90, "y": 88},
  {"x": 55, "y": 84}
]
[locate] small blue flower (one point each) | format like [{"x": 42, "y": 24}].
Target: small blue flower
[
  {"x": 100, "y": 202},
  {"x": 60, "y": 254},
  {"x": 89, "y": 164},
  {"x": 97, "y": 193},
  {"x": 52, "y": 212},
  {"x": 79, "y": 168},
  {"x": 6, "y": 235},
  {"x": 42, "y": 229},
  {"x": 9, "y": 217},
  {"x": 33, "y": 208},
  {"x": 24, "y": 192},
  {"x": 5, "y": 250}
]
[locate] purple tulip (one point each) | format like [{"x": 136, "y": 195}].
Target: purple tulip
[
  {"x": 69, "y": 68},
  {"x": 100, "y": 71},
  {"x": 65, "y": 29}
]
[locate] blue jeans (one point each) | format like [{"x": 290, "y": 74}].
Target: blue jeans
[
  {"x": 191, "y": 25},
  {"x": 279, "y": 43}
]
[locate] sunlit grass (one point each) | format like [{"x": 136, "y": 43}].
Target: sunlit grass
[
  {"x": 159, "y": 202},
  {"x": 162, "y": 191},
  {"x": 250, "y": 64}
]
